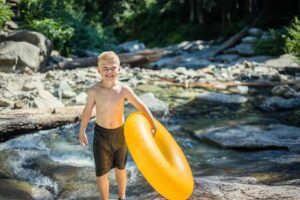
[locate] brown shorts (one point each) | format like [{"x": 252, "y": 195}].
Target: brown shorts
[{"x": 109, "y": 148}]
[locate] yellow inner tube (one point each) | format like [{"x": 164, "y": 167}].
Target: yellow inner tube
[{"x": 159, "y": 159}]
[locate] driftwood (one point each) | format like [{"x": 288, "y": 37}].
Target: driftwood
[
  {"x": 15, "y": 122},
  {"x": 235, "y": 38},
  {"x": 223, "y": 85},
  {"x": 134, "y": 59}
]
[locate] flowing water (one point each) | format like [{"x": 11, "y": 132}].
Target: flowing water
[{"x": 51, "y": 164}]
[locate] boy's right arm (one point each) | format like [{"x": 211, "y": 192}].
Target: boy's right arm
[{"x": 86, "y": 115}]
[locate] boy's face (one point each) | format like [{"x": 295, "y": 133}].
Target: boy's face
[{"x": 109, "y": 69}]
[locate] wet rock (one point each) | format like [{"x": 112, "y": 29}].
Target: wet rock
[
  {"x": 248, "y": 137},
  {"x": 284, "y": 91},
  {"x": 221, "y": 98},
  {"x": 279, "y": 103}
]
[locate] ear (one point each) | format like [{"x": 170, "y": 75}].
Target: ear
[{"x": 98, "y": 70}]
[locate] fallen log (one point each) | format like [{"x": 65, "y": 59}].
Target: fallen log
[
  {"x": 235, "y": 38},
  {"x": 133, "y": 59},
  {"x": 16, "y": 122}
]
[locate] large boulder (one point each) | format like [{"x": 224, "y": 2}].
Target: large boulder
[
  {"x": 42, "y": 43},
  {"x": 250, "y": 137},
  {"x": 18, "y": 55}
]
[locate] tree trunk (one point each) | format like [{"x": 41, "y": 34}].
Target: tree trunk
[{"x": 16, "y": 122}]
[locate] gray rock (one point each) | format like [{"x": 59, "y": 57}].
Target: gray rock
[
  {"x": 222, "y": 98},
  {"x": 31, "y": 85},
  {"x": 284, "y": 91},
  {"x": 275, "y": 136},
  {"x": 18, "y": 55},
  {"x": 158, "y": 107},
  {"x": 36, "y": 39},
  {"x": 241, "y": 188},
  {"x": 131, "y": 46},
  {"x": 245, "y": 49},
  {"x": 279, "y": 103},
  {"x": 81, "y": 98},
  {"x": 255, "y": 32},
  {"x": 46, "y": 100},
  {"x": 11, "y": 25},
  {"x": 5, "y": 102},
  {"x": 64, "y": 90},
  {"x": 283, "y": 62},
  {"x": 249, "y": 39},
  {"x": 227, "y": 57}
]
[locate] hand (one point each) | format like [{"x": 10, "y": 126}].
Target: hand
[
  {"x": 153, "y": 130},
  {"x": 83, "y": 139}
]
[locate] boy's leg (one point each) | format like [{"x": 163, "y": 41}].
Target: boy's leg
[
  {"x": 103, "y": 186},
  {"x": 121, "y": 181}
]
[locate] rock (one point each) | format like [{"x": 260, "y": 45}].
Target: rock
[
  {"x": 81, "y": 98},
  {"x": 279, "y": 103},
  {"x": 255, "y": 32},
  {"x": 36, "y": 39},
  {"x": 64, "y": 90},
  {"x": 245, "y": 49},
  {"x": 46, "y": 100},
  {"x": 31, "y": 85},
  {"x": 221, "y": 98},
  {"x": 249, "y": 137},
  {"x": 227, "y": 57},
  {"x": 246, "y": 188},
  {"x": 286, "y": 62},
  {"x": 18, "y": 55},
  {"x": 5, "y": 102},
  {"x": 19, "y": 104},
  {"x": 243, "y": 89},
  {"x": 266, "y": 36},
  {"x": 11, "y": 25},
  {"x": 249, "y": 39},
  {"x": 158, "y": 107},
  {"x": 131, "y": 46},
  {"x": 284, "y": 91}
]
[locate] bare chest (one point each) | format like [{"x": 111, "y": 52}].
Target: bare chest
[{"x": 109, "y": 100}]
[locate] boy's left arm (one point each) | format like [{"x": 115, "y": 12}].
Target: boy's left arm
[{"x": 136, "y": 101}]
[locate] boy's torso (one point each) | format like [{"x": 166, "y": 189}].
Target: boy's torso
[{"x": 109, "y": 106}]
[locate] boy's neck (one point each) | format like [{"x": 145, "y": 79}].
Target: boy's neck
[{"x": 108, "y": 84}]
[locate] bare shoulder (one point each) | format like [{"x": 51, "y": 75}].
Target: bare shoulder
[
  {"x": 93, "y": 89},
  {"x": 126, "y": 88}
]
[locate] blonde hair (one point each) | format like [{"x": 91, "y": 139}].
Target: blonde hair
[{"x": 107, "y": 55}]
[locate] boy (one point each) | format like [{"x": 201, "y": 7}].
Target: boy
[{"x": 109, "y": 148}]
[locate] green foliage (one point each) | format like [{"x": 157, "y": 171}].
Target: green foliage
[
  {"x": 60, "y": 32},
  {"x": 292, "y": 42},
  {"x": 5, "y": 13},
  {"x": 272, "y": 45},
  {"x": 67, "y": 24}
]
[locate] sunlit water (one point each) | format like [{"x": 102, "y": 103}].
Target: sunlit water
[{"x": 33, "y": 155}]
